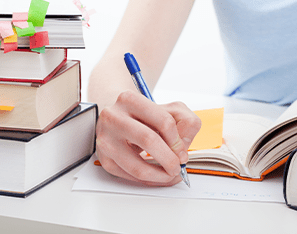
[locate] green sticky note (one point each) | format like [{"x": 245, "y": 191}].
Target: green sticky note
[
  {"x": 39, "y": 49},
  {"x": 25, "y": 32},
  {"x": 37, "y": 12}
]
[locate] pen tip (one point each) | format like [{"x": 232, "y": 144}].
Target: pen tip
[{"x": 188, "y": 184}]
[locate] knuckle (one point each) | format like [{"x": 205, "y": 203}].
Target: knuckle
[
  {"x": 172, "y": 164},
  {"x": 107, "y": 164},
  {"x": 126, "y": 96},
  {"x": 147, "y": 140},
  {"x": 168, "y": 122},
  {"x": 106, "y": 116},
  {"x": 101, "y": 142},
  {"x": 177, "y": 105},
  {"x": 195, "y": 123},
  {"x": 105, "y": 146},
  {"x": 140, "y": 173}
]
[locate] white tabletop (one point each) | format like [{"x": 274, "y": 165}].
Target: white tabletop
[{"x": 55, "y": 207}]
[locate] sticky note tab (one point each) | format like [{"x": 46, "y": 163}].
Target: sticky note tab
[
  {"x": 211, "y": 132},
  {"x": 39, "y": 49},
  {"x": 8, "y": 47},
  {"x": 37, "y": 12},
  {"x": 39, "y": 39},
  {"x": 11, "y": 39},
  {"x": 6, "y": 29},
  {"x": 19, "y": 16},
  {"x": 21, "y": 24},
  {"x": 25, "y": 32},
  {"x": 6, "y": 108}
]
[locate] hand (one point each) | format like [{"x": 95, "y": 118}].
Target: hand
[{"x": 135, "y": 124}]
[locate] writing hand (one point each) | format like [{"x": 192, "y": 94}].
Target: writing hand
[{"x": 135, "y": 124}]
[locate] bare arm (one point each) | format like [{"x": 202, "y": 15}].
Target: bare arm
[
  {"x": 149, "y": 30},
  {"x": 129, "y": 123}
]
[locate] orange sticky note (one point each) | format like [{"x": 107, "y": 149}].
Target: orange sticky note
[
  {"x": 6, "y": 108},
  {"x": 211, "y": 133},
  {"x": 12, "y": 39}
]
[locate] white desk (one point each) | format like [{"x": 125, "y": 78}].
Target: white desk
[{"x": 55, "y": 209}]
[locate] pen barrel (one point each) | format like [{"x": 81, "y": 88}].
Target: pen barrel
[{"x": 141, "y": 85}]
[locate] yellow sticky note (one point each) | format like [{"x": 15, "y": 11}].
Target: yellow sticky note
[
  {"x": 6, "y": 108},
  {"x": 211, "y": 133},
  {"x": 13, "y": 38}
]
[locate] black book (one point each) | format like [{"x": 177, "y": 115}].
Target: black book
[
  {"x": 29, "y": 160},
  {"x": 290, "y": 181}
]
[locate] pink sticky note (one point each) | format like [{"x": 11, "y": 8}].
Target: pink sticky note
[
  {"x": 39, "y": 39},
  {"x": 91, "y": 12},
  {"x": 19, "y": 16},
  {"x": 21, "y": 24},
  {"x": 6, "y": 29},
  {"x": 8, "y": 47}
]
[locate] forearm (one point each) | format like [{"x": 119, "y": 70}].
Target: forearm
[
  {"x": 149, "y": 30},
  {"x": 108, "y": 79}
]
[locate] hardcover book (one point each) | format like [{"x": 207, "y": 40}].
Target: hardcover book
[
  {"x": 64, "y": 31},
  {"x": 38, "y": 107},
  {"x": 253, "y": 146},
  {"x": 290, "y": 181},
  {"x": 27, "y": 66},
  {"x": 29, "y": 160}
]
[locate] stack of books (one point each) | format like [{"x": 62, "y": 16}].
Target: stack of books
[{"x": 45, "y": 130}]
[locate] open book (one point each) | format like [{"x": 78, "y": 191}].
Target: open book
[{"x": 253, "y": 146}]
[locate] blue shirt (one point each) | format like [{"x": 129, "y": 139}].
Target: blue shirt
[{"x": 260, "y": 38}]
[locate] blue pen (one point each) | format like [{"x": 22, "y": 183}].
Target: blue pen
[{"x": 140, "y": 84}]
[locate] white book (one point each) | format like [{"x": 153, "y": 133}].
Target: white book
[
  {"x": 64, "y": 31},
  {"x": 253, "y": 146}
]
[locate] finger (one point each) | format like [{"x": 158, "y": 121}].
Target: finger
[
  {"x": 188, "y": 123},
  {"x": 131, "y": 162},
  {"x": 152, "y": 115},
  {"x": 152, "y": 143},
  {"x": 118, "y": 127},
  {"x": 111, "y": 167},
  {"x": 136, "y": 166}
]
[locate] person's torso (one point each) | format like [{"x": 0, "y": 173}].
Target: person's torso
[{"x": 260, "y": 38}]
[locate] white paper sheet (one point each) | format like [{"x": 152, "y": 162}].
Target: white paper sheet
[{"x": 95, "y": 178}]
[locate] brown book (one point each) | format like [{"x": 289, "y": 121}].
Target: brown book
[{"x": 38, "y": 107}]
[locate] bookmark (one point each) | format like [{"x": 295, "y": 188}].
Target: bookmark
[
  {"x": 6, "y": 108},
  {"x": 19, "y": 19}
]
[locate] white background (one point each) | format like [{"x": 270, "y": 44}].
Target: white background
[{"x": 199, "y": 50}]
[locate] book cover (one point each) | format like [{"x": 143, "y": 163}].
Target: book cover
[
  {"x": 29, "y": 161},
  {"x": 290, "y": 181},
  {"x": 38, "y": 107},
  {"x": 24, "y": 65}
]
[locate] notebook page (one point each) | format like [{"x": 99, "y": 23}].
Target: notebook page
[{"x": 241, "y": 131}]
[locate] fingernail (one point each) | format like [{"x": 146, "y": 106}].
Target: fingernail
[
  {"x": 187, "y": 139},
  {"x": 184, "y": 157}
]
